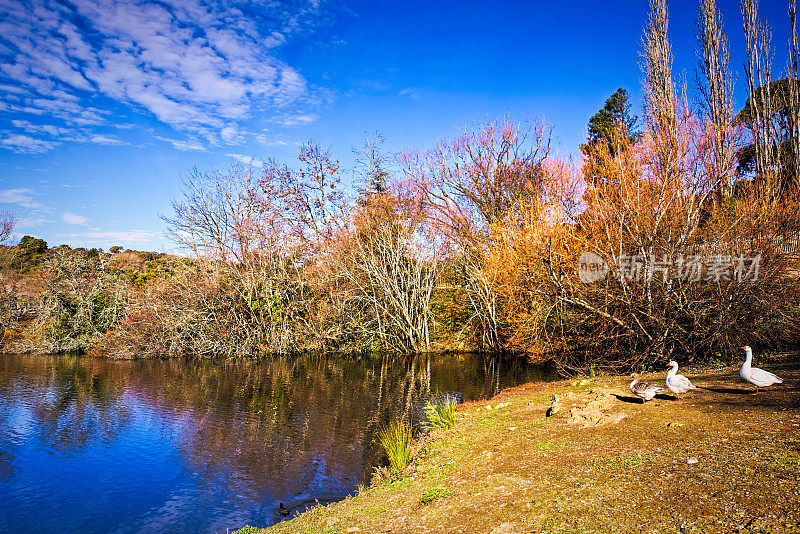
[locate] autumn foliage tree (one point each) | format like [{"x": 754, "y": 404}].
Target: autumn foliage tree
[
  {"x": 470, "y": 185},
  {"x": 389, "y": 267}
]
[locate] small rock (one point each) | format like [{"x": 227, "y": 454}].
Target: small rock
[
  {"x": 353, "y": 529},
  {"x": 331, "y": 521},
  {"x": 512, "y": 428},
  {"x": 691, "y": 461},
  {"x": 504, "y": 528},
  {"x": 616, "y": 418}
]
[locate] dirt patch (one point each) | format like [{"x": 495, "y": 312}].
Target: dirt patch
[{"x": 599, "y": 409}]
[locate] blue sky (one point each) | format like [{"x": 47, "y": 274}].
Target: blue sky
[{"x": 106, "y": 104}]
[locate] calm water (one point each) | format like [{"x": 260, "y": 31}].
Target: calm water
[{"x": 94, "y": 445}]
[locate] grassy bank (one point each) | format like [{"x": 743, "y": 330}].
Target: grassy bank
[{"x": 720, "y": 461}]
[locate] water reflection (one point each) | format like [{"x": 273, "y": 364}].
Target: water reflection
[{"x": 93, "y": 445}]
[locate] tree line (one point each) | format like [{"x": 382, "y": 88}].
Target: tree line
[{"x": 477, "y": 243}]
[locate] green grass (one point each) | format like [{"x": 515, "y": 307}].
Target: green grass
[
  {"x": 397, "y": 484},
  {"x": 396, "y": 441},
  {"x": 441, "y": 415},
  {"x": 493, "y": 419},
  {"x": 786, "y": 462},
  {"x": 549, "y": 446},
  {"x": 434, "y": 494},
  {"x": 624, "y": 461}
]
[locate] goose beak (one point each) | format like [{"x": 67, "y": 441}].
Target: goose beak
[{"x": 743, "y": 348}]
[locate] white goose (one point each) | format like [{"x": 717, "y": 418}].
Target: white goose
[
  {"x": 758, "y": 377},
  {"x": 677, "y": 384}
]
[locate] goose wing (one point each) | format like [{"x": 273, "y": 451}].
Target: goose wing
[
  {"x": 761, "y": 377},
  {"x": 680, "y": 383},
  {"x": 640, "y": 388}
]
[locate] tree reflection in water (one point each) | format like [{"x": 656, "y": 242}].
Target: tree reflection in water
[{"x": 247, "y": 434}]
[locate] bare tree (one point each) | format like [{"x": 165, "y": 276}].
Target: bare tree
[
  {"x": 794, "y": 95},
  {"x": 221, "y": 215},
  {"x": 469, "y": 185},
  {"x": 717, "y": 91},
  {"x": 390, "y": 269},
  {"x": 79, "y": 301},
  {"x": 309, "y": 198},
  {"x": 661, "y": 103},
  {"x": 241, "y": 266},
  {"x": 481, "y": 177},
  {"x": 373, "y": 165},
  {"x": 758, "y": 70},
  {"x": 7, "y": 224}
]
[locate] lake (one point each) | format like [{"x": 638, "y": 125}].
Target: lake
[{"x": 97, "y": 445}]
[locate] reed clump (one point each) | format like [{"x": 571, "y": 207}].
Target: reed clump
[
  {"x": 440, "y": 414},
  {"x": 396, "y": 442}
]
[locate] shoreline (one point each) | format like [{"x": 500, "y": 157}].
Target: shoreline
[{"x": 721, "y": 460}]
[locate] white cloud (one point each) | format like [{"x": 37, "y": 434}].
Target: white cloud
[
  {"x": 198, "y": 66},
  {"x": 188, "y": 145},
  {"x": 247, "y": 160},
  {"x": 31, "y": 222},
  {"x": 40, "y": 128},
  {"x": 296, "y": 120},
  {"x": 118, "y": 237},
  {"x": 12, "y": 89},
  {"x": 21, "y": 196},
  {"x": 71, "y": 218},
  {"x": 410, "y": 92},
  {"x": 231, "y": 135},
  {"x": 264, "y": 139},
  {"x": 106, "y": 140},
  {"x": 26, "y": 144}
]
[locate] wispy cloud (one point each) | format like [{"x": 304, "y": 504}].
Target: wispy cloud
[
  {"x": 119, "y": 237},
  {"x": 266, "y": 140},
  {"x": 410, "y": 92},
  {"x": 247, "y": 160},
  {"x": 21, "y": 196},
  {"x": 200, "y": 67},
  {"x": 50, "y": 129},
  {"x": 187, "y": 145},
  {"x": 106, "y": 140},
  {"x": 32, "y": 145},
  {"x": 296, "y": 120},
  {"x": 32, "y": 222},
  {"x": 26, "y": 144},
  {"x": 71, "y": 218}
]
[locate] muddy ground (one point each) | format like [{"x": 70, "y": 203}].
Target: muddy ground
[{"x": 722, "y": 460}]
